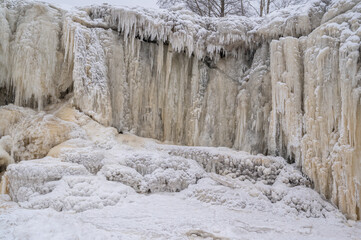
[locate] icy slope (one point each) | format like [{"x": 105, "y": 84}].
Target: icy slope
[
  {"x": 102, "y": 184},
  {"x": 75, "y": 169},
  {"x": 285, "y": 85}
]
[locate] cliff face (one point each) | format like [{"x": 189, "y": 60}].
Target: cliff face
[
  {"x": 316, "y": 107},
  {"x": 287, "y": 85}
]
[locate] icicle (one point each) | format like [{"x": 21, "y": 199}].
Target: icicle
[
  {"x": 160, "y": 58},
  {"x": 68, "y": 40},
  {"x": 4, "y": 49},
  {"x": 4, "y": 185}
]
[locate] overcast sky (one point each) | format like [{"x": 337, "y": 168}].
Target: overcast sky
[{"x": 130, "y": 3}]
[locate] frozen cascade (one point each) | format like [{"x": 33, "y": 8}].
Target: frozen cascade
[
  {"x": 286, "y": 127},
  {"x": 285, "y": 85},
  {"x": 31, "y": 61},
  {"x": 324, "y": 93}
]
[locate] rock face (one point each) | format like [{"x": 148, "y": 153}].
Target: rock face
[{"x": 287, "y": 85}]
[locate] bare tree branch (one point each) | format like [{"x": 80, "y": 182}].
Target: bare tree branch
[{"x": 221, "y": 8}]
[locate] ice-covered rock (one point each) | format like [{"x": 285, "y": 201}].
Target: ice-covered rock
[
  {"x": 126, "y": 175},
  {"x": 316, "y": 98},
  {"x": 5, "y": 152},
  {"x": 50, "y": 183},
  {"x": 34, "y": 134},
  {"x": 244, "y": 195}
]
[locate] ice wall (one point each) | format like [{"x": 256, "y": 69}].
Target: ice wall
[
  {"x": 286, "y": 126},
  {"x": 154, "y": 90},
  {"x": 332, "y": 141},
  {"x": 315, "y": 116},
  {"x": 285, "y": 85},
  {"x": 31, "y": 58}
]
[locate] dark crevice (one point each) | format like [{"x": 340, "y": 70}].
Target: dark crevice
[
  {"x": 7, "y": 96},
  {"x": 66, "y": 92}
]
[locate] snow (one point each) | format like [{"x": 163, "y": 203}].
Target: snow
[{"x": 169, "y": 216}]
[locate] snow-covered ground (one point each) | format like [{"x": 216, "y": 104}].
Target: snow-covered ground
[
  {"x": 98, "y": 184},
  {"x": 169, "y": 216}
]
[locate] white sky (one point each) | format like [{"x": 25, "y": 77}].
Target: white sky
[{"x": 130, "y": 3}]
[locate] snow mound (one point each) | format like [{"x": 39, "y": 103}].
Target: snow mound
[
  {"x": 278, "y": 198},
  {"x": 164, "y": 172},
  {"x": 125, "y": 175},
  {"x": 240, "y": 165},
  {"x": 28, "y": 177},
  {"x": 145, "y": 171},
  {"x": 50, "y": 183},
  {"x": 91, "y": 159}
]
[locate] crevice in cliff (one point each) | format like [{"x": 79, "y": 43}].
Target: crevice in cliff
[{"x": 6, "y": 96}]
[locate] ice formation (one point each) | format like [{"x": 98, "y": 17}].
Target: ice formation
[
  {"x": 84, "y": 165},
  {"x": 98, "y": 175},
  {"x": 286, "y": 85}
]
